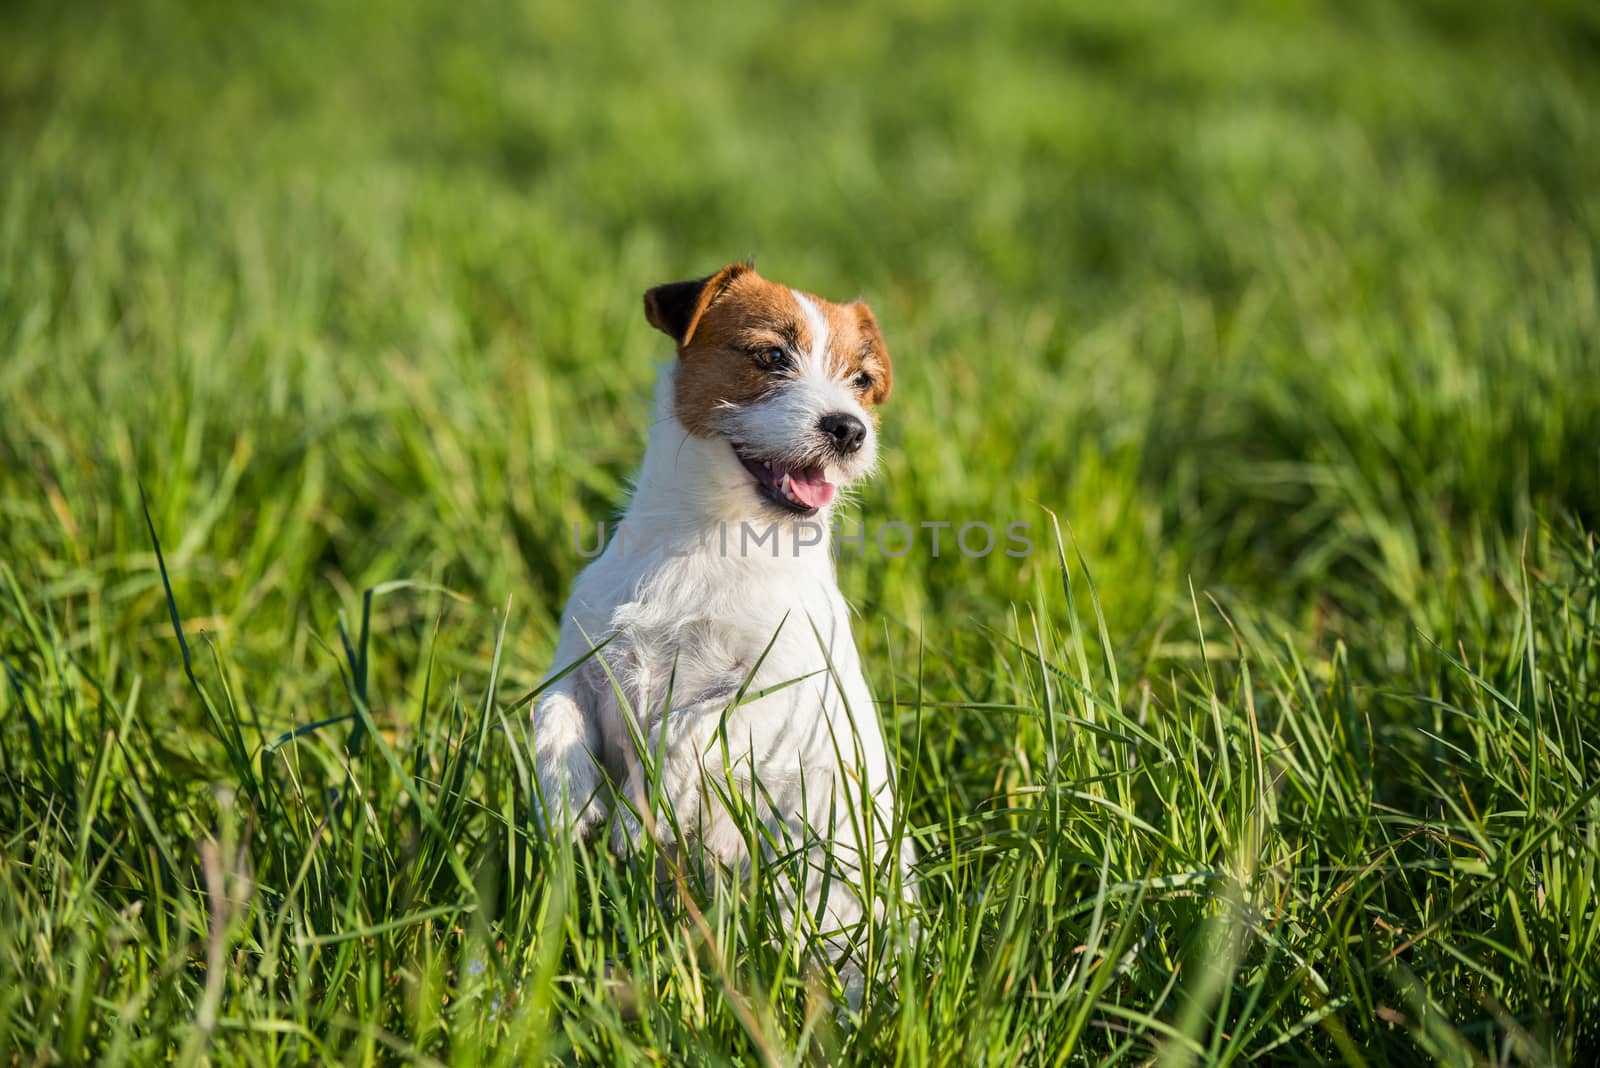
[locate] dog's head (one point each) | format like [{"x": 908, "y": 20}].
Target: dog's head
[{"x": 788, "y": 380}]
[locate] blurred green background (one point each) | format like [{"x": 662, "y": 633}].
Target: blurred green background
[
  {"x": 1293, "y": 305},
  {"x": 1292, "y": 295}
]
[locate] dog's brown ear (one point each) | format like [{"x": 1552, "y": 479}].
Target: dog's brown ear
[
  {"x": 875, "y": 355},
  {"x": 676, "y": 307}
]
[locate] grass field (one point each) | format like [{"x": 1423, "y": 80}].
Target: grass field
[{"x": 1291, "y": 754}]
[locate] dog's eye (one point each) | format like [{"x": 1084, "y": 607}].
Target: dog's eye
[
  {"x": 863, "y": 381},
  {"x": 770, "y": 359}
]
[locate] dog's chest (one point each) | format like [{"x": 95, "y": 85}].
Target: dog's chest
[
  {"x": 677, "y": 653},
  {"x": 758, "y": 652},
  {"x": 656, "y": 662}
]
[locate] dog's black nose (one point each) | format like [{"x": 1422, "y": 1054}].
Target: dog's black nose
[{"x": 846, "y": 430}]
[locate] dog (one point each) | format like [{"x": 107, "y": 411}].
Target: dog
[{"x": 711, "y": 640}]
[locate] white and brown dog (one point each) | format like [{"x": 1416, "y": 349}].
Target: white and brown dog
[{"x": 724, "y": 644}]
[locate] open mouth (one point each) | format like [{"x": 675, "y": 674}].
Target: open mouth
[{"x": 798, "y": 489}]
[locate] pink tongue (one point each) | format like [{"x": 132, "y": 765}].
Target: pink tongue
[{"x": 807, "y": 485}]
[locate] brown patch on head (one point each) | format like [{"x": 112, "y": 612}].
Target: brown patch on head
[
  {"x": 857, "y": 352},
  {"x": 725, "y": 326}
]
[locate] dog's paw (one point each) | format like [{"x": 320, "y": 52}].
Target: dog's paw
[
  {"x": 572, "y": 802},
  {"x": 627, "y": 833},
  {"x": 573, "y": 807},
  {"x": 587, "y": 822}
]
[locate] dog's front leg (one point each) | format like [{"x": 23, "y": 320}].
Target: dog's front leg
[
  {"x": 565, "y": 741},
  {"x": 666, "y": 785}
]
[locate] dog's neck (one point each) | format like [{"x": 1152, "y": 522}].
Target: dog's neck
[{"x": 693, "y": 496}]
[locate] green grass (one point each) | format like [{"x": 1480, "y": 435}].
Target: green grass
[{"x": 1290, "y": 312}]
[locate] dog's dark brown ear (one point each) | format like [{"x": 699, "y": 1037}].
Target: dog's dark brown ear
[{"x": 676, "y": 307}]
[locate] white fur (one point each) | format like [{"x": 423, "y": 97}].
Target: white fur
[
  {"x": 685, "y": 601},
  {"x": 818, "y": 324}
]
